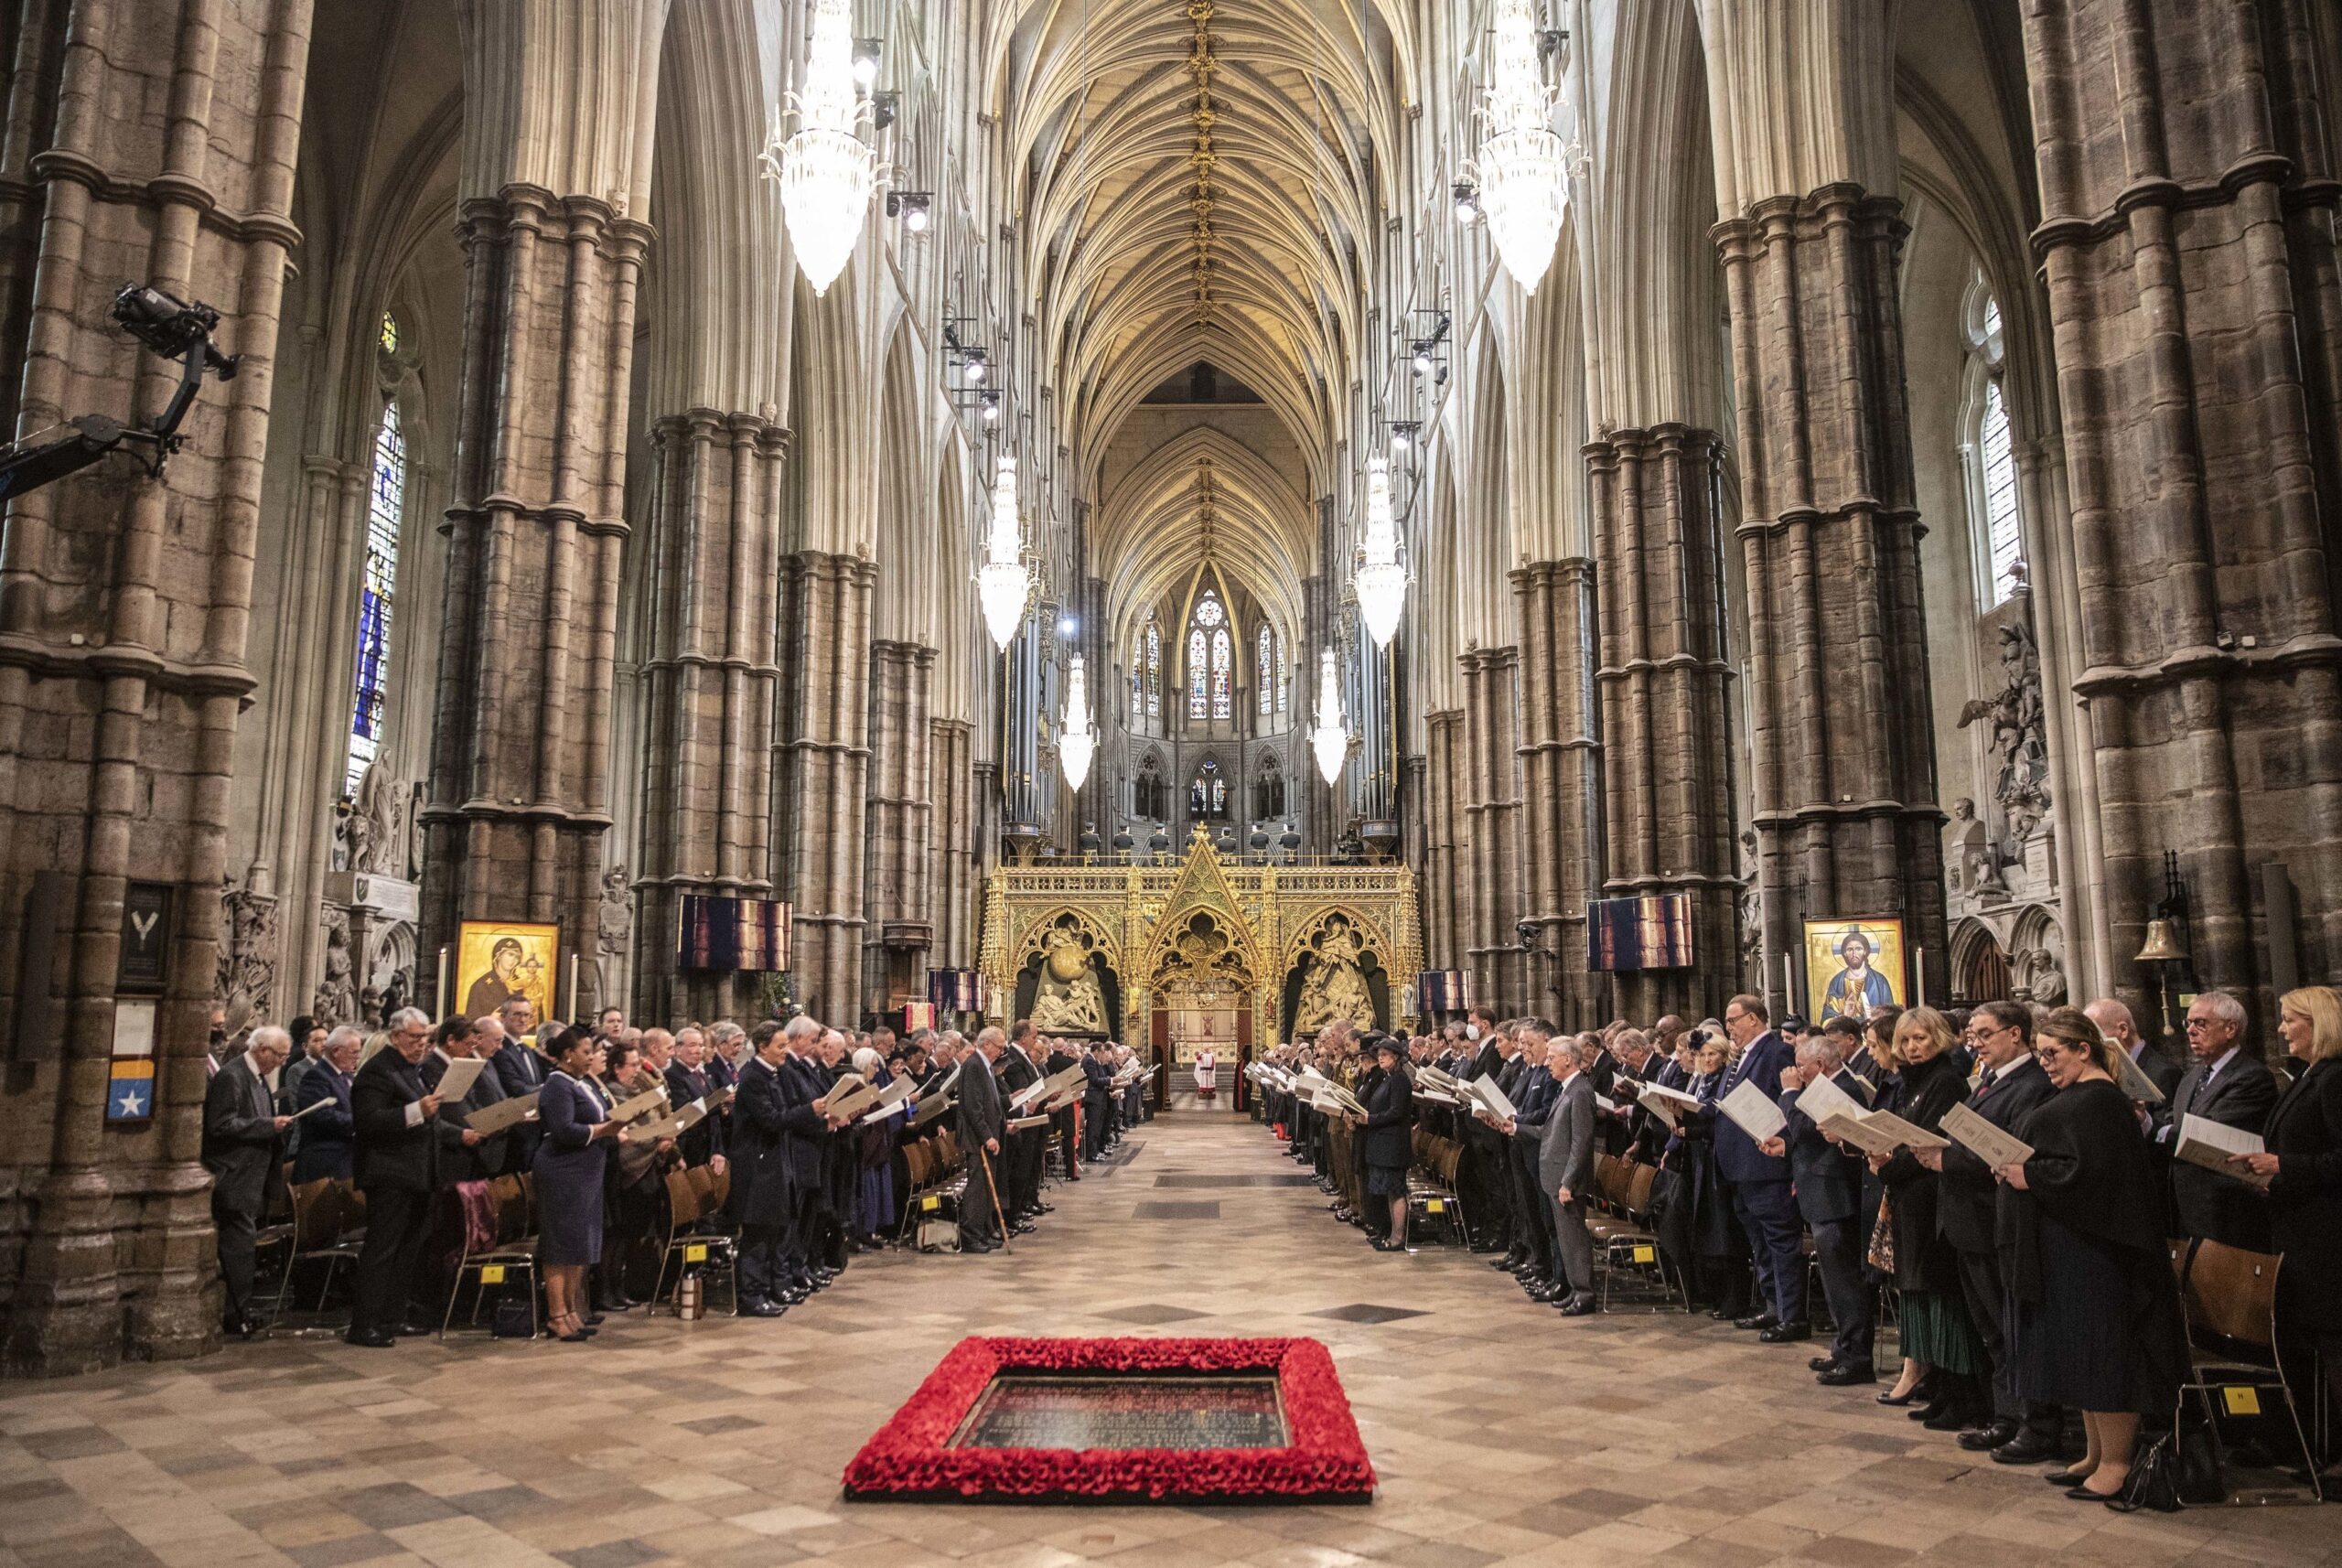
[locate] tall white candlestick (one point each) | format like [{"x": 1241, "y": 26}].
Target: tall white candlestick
[
  {"x": 573, "y": 987},
  {"x": 1922, "y": 955},
  {"x": 1788, "y": 988},
  {"x": 441, "y": 1015}
]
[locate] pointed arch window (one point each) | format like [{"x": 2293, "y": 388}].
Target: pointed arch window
[
  {"x": 1153, "y": 668},
  {"x": 385, "y": 502},
  {"x": 1990, "y": 452},
  {"x": 1208, "y": 794},
  {"x": 1211, "y": 657},
  {"x": 1268, "y": 675}
]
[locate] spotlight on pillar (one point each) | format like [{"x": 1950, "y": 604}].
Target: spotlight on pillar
[
  {"x": 914, "y": 208},
  {"x": 1381, "y": 580},
  {"x": 1331, "y": 738},
  {"x": 992, "y": 408},
  {"x": 1421, "y": 359},
  {"x": 865, "y": 62},
  {"x": 1076, "y": 739},
  {"x": 974, "y": 367},
  {"x": 1004, "y": 581},
  {"x": 1467, "y": 202},
  {"x": 825, "y": 171}
]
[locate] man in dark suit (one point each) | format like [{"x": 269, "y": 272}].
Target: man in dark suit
[
  {"x": 1540, "y": 1272},
  {"x": 763, "y": 1199},
  {"x": 1063, "y": 1123},
  {"x": 1827, "y": 1182},
  {"x": 240, "y": 1129},
  {"x": 1021, "y": 1166},
  {"x": 400, "y": 1141},
  {"x": 1489, "y": 1171},
  {"x": 487, "y": 1157},
  {"x": 805, "y": 1081},
  {"x": 978, "y": 1125},
  {"x": 326, "y": 1135},
  {"x": 2229, "y": 1083},
  {"x": 701, "y": 1143},
  {"x": 1565, "y": 1170},
  {"x": 1097, "y": 1092},
  {"x": 1759, "y": 1182},
  {"x": 2162, "y": 1065},
  {"x": 2011, "y": 1086}
]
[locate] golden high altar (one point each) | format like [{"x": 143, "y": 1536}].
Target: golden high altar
[{"x": 1202, "y": 951}]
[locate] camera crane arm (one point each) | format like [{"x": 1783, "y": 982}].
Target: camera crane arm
[{"x": 176, "y": 329}]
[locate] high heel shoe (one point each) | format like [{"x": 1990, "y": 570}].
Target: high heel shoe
[{"x": 1889, "y": 1396}]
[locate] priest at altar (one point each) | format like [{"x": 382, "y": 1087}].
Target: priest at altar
[{"x": 1206, "y": 1073}]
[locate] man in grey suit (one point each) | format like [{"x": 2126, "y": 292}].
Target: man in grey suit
[
  {"x": 1565, "y": 1170},
  {"x": 978, "y": 1125},
  {"x": 2228, "y": 1083},
  {"x": 239, "y": 1132}
]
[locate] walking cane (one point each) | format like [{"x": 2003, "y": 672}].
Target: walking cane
[{"x": 993, "y": 1187}]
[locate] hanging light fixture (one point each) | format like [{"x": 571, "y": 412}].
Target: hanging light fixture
[
  {"x": 826, "y": 171},
  {"x": 1331, "y": 738},
  {"x": 1004, "y": 582},
  {"x": 1076, "y": 739},
  {"x": 1523, "y": 168},
  {"x": 1381, "y": 580}
]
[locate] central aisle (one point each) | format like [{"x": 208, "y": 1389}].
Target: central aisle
[{"x": 1502, "y": 1432}]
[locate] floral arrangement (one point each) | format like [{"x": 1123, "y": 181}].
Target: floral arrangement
[{"x": 912, "y": 1455}]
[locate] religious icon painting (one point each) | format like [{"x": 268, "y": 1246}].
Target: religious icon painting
[
  {"x": 498, "y": 959},
  {"x": 1853, "y": 964}
]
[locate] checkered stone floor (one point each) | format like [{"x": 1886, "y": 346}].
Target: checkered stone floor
[{"x": 1503, "y": 1432}]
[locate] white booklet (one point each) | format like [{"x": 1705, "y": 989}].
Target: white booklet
[
  {"x": 2134, "y": 1080},
  {"x": 2205, "y": 1143},
  {"x": 458, "y": 1081},
  {"x": 1752, "y": 1112},
  {"x": 1822, "y": 1099},
  {"x": 1492, "y": 1099},
  {"x": 1993, "y": 1145}
]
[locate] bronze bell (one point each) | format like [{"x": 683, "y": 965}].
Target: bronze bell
[{"x": 2159, "y": 947}]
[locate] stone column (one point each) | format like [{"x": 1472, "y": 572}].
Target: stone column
[
  {"x": 715, "y": 539},
  {"x": 951, "y": 786},
  {"x": 521, "y": 763},
  {"x": 1561, "y": 770},
  {"x": 1444, "y": 873},
  {"x": 158, "y": 142},
  {"x": 1665, "y": 686},
  {"x": 1489, "y": 900},
  {"x": 2189, "y": 241},
  {"x": 823, "y": 763},
  {"x": 896, "y": 859},
  {"x": 1843, "y": 782}
]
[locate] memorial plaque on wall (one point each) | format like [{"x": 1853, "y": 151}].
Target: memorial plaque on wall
[{"x": 145, "y": 940}]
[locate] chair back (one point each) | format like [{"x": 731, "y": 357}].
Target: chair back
[
  {"x": 2232, "y": 1294},
  {"x": 1639, "y": 1186},
  {"x": 684, "y": 1198},
  {"x": 703, "y": 1182},
  {"x": 317, "y": 1213}
]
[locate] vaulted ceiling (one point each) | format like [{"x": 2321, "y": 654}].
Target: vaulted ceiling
[{"x": 1202, "y": 180}]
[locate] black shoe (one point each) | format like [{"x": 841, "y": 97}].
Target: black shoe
[
  {"x": 239, "y": 1327},
  {"x": 2065, "y": 1479},
  {"x": 1952, "y": 1419},
  {"x": 2025, "y": 1448},
  {"x": 1554, "y": 1293},
  {"x": 1846, "y": 1375},
  {"x": 1580, "y": 1305},
  {"x": 1384, "y": 1244},
  {"x": 1899, "y": 1401},
  {"x": 412, "y": 1331},
  {"x": 1786, "y": 1333},
  {"x": 1820, "y": 1363},
  {"x": 592, "y": 1320},
  {"x": 1507, "y": 1261},
  {"x": 1935, "y": 1408},
  {"x": 1989, "y": 1437},
  {"x": 761, "y": 1306},
  {"x": 1020, "y": 1229},
  {"x": 1762, "y": 1320},
  {"x": 1723, "y": 1314},
  {"x": 372, "y": 1341}
]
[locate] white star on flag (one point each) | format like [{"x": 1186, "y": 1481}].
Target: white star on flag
[{"x": 133, "y": 1103}]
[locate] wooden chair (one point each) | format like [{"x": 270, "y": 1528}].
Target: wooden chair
[
  {"x": 321, "y": 1227},
  {"x": 2229, "y": 1296},
  {"x": 514, "y": 1246},
  {"x": 691, "y": 1193},
  {"x": 1624, "y": 1233}
]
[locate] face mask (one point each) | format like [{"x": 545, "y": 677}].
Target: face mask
[{"x": 1471, "y": 1031}]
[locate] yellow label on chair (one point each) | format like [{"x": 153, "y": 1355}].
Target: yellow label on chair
[
  {"x": 696, "y": 1253},
  {"x": 491, "y": 1274},
  {"x": 1644, "y": 1254},
  {"x": 2241, "y": 1401},
  {"x": 929, "y": 1205},
  {"x": 1435, "y": 1206}
]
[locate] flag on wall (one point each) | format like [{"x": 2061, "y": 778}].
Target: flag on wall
[
  {"x": 1652, "y": 933},
  {"x": 733, "y": 933}
]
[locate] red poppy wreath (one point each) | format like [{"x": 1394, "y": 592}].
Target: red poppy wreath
[{"x": 940, "y": 1444}]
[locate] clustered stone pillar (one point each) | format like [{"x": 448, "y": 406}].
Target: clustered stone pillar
[
  {"x": 824, "y": 758},
  {"x": 1491, "y": 906},
  {"x": 1665, "y": 686},
  {"x": 1561, "y": 770},
  {"x": 715, "y": 539},
  {"x": 124, "y": 613},
  {"x": 1443, "y": 868},
  {"x": 2189, "y": 241},
  {"x": 536, "y": 524},
  {"x": 1844, "y": 751},
  {"x": 952, "y": 789},
  {"x": 897, "y": 865}
]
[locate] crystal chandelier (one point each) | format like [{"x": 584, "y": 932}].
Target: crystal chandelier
[
  {"x": 1330, "y": 739},
  {"x": 826, "y": 172},
  {"x": 1076, "y": 739},
  {"x": 1381, "y": 580},
  {"x": 1003, "y": 583},
  {"x": 1523, "y": 169}
]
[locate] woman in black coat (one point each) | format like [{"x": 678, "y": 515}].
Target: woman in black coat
[
  {"x": 2093, "y": 1314},
  {"x": 1940, "y": 1343},
  {"x": 1717, "y": 1246},
  {"x": 1387, "y": 1146},
  {"x": 2303, "y": 1164},
  {"x": 569, "y": 1169}
]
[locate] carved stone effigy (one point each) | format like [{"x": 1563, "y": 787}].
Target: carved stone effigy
[{"x": 1204, "y": 932}]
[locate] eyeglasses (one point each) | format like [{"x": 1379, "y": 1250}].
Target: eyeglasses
[{"x": 2195, "y": 1023}]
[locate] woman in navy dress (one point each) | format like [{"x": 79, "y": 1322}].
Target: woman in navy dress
[{"x": 570, "y": 1172}]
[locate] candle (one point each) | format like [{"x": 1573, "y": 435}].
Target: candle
[
  {"x": 572, "y": 986},
  {"x": 441, "y": 1015},
  {"x": 1788, "y": 986},
  {"x": 1922, "y": 954}
]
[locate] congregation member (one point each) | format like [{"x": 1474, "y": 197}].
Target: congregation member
[
  {"x": 1826, "y": 1180},
  {"x": 689, "y": 1080},
  {"x": 322, "y": 1103},
  {"x": 1387, "y": 1126},
  {"x": 241, "y": 1130},
  {"x": 2093, "y": 1318},
  {"x": 2163, "y": 1066},
  {"x": 2228, "y": 1083},
  {"x": 1565, "y": 1172},
  {"x": 570, "y": 1169},
  {"x": 1943, "y": 1357},
  {"x": 979, "y": 1127},
  {"x": 1759, "y": 1183},
  {"x": 400, "y": 1141}
]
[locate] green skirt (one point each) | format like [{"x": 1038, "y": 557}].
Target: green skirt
[{"x": 1937, "y": 1330}]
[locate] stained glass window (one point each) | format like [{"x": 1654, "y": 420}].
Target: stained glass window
[
  {"x": 1211, "y": 660},
  {"x": 1995, "y": 528},
  {"x": 1268, "y": 669},
  {"x": 1199, "y": 674},
  {"x": 2000, "y": 494},
  {"x": 1208, "y": 796},
  {"x": 1153, "y": 669},
  {"x": 386, "y": 498},
  {"x": 1222, "y": 656}
]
